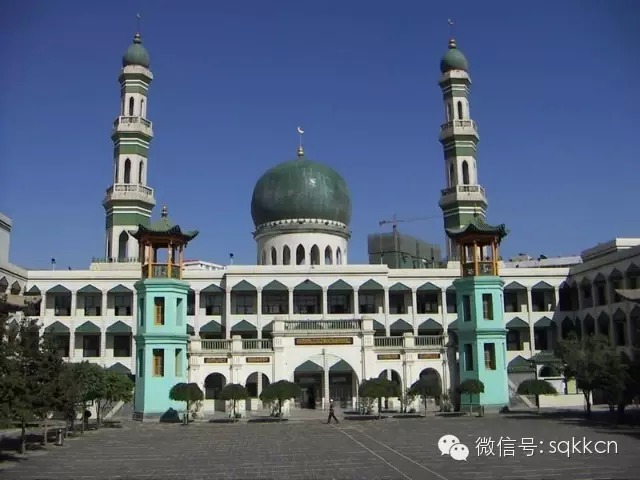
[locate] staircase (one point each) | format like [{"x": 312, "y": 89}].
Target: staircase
[{"x": 516, "y": 400}]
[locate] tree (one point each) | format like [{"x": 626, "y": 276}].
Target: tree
[
  {"x": 114, "y": 388},
  {"x": 536, "y": 387},
  {"x": 585, "y": 360},
  {"x": 378, "y": 388},
  {"x": 234, "y": 392},
  {"x": 281, "y": 390},
  {"x": 89, "y": 379},
  {"x": 186, "y": 392},
  {"x": 426, "y": 387},
  {"x": 471, "y": 386}
]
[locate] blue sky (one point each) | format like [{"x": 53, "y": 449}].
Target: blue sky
[{"x": 554, "y": 94}]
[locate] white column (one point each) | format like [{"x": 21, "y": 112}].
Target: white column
[
  {"x": 134, "y": 308},
  {"x": 196, "y": 316},
  {"x": 259, "y": 311},
  {"x": 74, "y": 303},
  {"x": 43, "y": 305},
  {"x": 386, "y": 311},
  {"x": 325, "y": 377},
  {"x": 72, "y": 343},
  {"x": 414, "y": 308},
  {"x": 532, "y": 340},
  {"x": 356, "y": 307},
  {"x": 103, "y": 308},
  {"x": 443, "y": 313},
  {"x": 325, "y": 306},
  {"x": 227, "y": 315},
  {"x": 558, "y": 323},
  {"x": 290, "y": 302}
]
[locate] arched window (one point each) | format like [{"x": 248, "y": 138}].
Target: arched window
[
  {"x": 109, "y": 254},
  {"x": 459, "y": 110},
  {"x": 116, "y": 179},
  {"x": 315, "y": 255},
  {"x": 449, "y": 112},
  {"x": 286, "y": 255},
  {"x": 263, "y": 258},
  {"x": 465, "y": 173},
  {"x": 123, "y": 240},
  {"x": 452, "y": 175},
  {"x": 141, "y": 172},
  {"x": 338, "y": 256},
  {"x": 300, "y": 255},
  {"x": 142, "y": 114},
  {"x": 328, "y": 256},
  {"x": 131, "y": 104},
  {"x": 274, "y": 256},
  {"x": 127, "y": 171}
]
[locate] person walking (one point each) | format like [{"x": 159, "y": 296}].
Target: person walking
[{"x": 332, "y": 412}]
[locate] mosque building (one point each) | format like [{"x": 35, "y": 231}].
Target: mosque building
[{"x": 303, "y": 312}]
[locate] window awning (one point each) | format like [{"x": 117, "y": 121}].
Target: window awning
[
  {"x": 120, "y": 289},
  {"x": 517, "y": 322},
  {"x": 190, "y": 330},
  {"x": 57, "y": 328},
  {"x": 59, "y": 289},
  {"x": 428, "y": 287},
  {"x": 89, "y": 289},
  {"x": 88, "y": 327},
  {"x": 244, "y": 327},
  {"x": 213, "y": 288},
  {"x": 119, "y": 327},
  {"x": 307, "y": 286},
  {"x": 119, "y": 368},
  {"x": 243, "y": 286},
  {"x": 399, "y": 287},
  {"x": 211, "y": 327},
  {"x": 430, "y": 324},
  {"x": 370, "y": 285},
  {"x": 401, "y": 326},
  {"x": 308, "y": 367},
  {"x": 340, "y": 286},
  {"x": 544, "y": 322}
]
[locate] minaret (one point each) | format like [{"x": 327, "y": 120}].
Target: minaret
[
  {"x": 463, "y": 196},
  {"x": 481, "y": 331},
  {"x": 129, "y": 201}
]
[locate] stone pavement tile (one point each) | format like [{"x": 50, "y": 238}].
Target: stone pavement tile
[{"x": 389, "y": 449}]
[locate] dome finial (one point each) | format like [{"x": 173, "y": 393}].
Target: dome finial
[
  {"x": 452, "y": 40},
  {"x": 165, "y": 212},
  {"x": 300, "y": 149}
]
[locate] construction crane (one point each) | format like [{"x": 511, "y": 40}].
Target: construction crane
[{"x": 395, "y": 221}]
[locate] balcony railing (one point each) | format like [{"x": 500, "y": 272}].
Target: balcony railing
[
  {"x": 395, "y": 342},
  {"x": 114, "y": 260},
  {"x": 131, "y": 121},
  {"x": 257, "y": 344},
  {"x": 161, "y": 270},
  {"x": 215, "y": 345},
  {"x": 130, "y": 189},
  {"x": 462, "y": 189},
  {"x": 484, "y": 269},
  {"x": 323, "y": 325},
  {"x": 459, "y": 124},
  {"x": 433, "y": 341},
  {"x": 429, "y": 341}
]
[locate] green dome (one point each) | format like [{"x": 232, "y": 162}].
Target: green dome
[
  {"x": 300, "y": 189},
  {"x": 453, "y": 59},
  {"x": 136, "y": 54}
]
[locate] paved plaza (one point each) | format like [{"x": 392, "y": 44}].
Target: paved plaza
[{"x": 388, "y": 449}]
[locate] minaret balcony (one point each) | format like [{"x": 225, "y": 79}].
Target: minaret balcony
[
  {"x": 130, "y": 191},
  {"x": 458, "y": 127},
  {"x": 471, "y": 193},
  {"x": 133, "y": 124},
  {"x": 479, "y": 269}
]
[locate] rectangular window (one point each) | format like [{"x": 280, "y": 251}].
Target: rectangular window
[
  {"x": 427, "y": 302},
  {"x": 140, "y": 363},
  {"x": 468, "y": 357},
  {"x": 62, "y": 305},
  {"x": 122, "y": 304},
  {"x": 541, "y": 338},
  {"x": 466, "y": 308},
  {"x": 513, "y": 340},
  {"x": 158, "y": 362},
  {"x": 487, "y": 306},
  {"x": 121, "y": 345},
  {"x": 90, "y": 346},
  {"x": 244, "y": 304},
  {"x": 141, "y": 311},
  {"x": 213, "y": 304},
  {"x": 178, "y": 362},
  {"x": 92, "y": 306},
  {"x": 274, "y": 303},
  {"x": 61, "y": 343},
  {"x": 452, "y": 304},
  {"x": 367, "y": 303},
  {"x": 339, "y": 303},
  {"x": 490, "y": 356},
  {"x": 191, "y": 303},
  {"x": 306, "y": 304},
  {"x": 158, "y": 311},
  {"x": 179, "y": 312}
]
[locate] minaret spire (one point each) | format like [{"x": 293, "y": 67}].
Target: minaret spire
[
  {"x": 300, "y": 147},
  {"x": 463, "y": 198},
  {"x": 129, "y": 201}
]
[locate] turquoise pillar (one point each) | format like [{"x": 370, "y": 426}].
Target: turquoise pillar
[
  {"x": 161, "y": 346},
  {"x": 482, "y": 344}
]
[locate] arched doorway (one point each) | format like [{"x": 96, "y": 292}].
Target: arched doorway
[
  {"x": 255, "y": 383},
  {"x": 340, "y": 382},
  {"x": 395, "y": 377},
  {"x": 213, "y": 384},
  {"x": 432, "y": 376}
]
